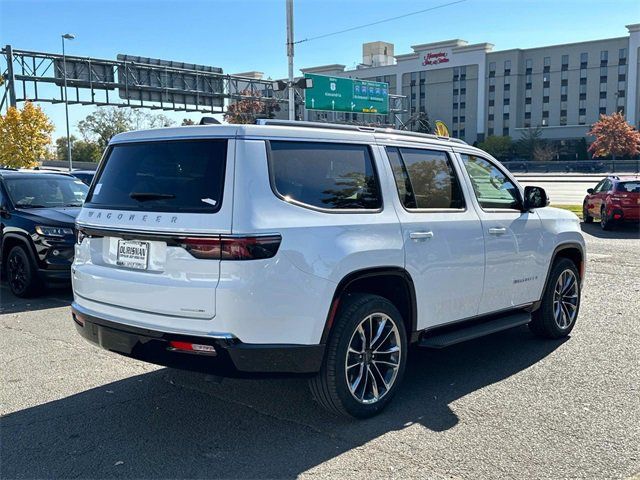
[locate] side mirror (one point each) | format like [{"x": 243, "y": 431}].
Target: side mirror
[
  {"x": 590, "y": 191},
  {"x": 534, "y": 197}
]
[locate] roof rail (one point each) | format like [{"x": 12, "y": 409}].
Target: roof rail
[{"x": 355, "y": 128}]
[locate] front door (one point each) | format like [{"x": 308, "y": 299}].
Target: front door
[
  {"x": 443, "y": 242},
  {"x": 515, "y": 263}
]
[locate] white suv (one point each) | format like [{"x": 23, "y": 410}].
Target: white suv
[{"x": 312, "y": 249}]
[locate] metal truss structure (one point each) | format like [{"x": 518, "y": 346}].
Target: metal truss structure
[{"x": 39, "y": 77}]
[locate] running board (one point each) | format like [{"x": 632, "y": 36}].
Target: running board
[{"x": 476, "y": 330}]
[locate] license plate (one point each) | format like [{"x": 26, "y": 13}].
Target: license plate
[{"x": 133, "y": 254}]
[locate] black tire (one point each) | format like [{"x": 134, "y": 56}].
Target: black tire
[
  {"x": 21, "y": 275},
  {"x": 544, "y": 322},
  {"x": 330, "y": 386},
  {"x": 586, "y": 218},
  {"x": 605, "y": 222}
]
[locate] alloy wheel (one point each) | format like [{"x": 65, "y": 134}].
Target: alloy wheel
[
  {"x": 565, "y": 299},
  {"x": 17, "y": 270},
  {"x": 373, "y": 358}
]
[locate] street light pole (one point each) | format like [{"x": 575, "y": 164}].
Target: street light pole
[
  {"x": 292, "y": 106},
  {"x": 67, "y": 36}
]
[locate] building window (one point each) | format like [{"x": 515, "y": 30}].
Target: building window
[
  {"x": 602, "y": 111},
  {"x": 506, "y": 101},
  {"x": 527, "y": 108},
  {"x": 565, "y": 63},
  {"x": 492, "y": 81},
  {"x": 603, "y": 87},
  {"x": 622, "y": 56},
  {"x": 545, "y": 99},
  {"x": 582, "y": 119},
  {"x": 603, "y": 94},
  {"x": 490, "y": 131},
  {"x": 527, "y": 86},
  {"x": 491, "y": 110},
  {"x": 545, "y": 122},
  {"x": 584, "y": 59},
  {"x": 620, "y": 93},
  {"x": 527, "y": 124},
  {"x": 583, "y": 74},
  {"x": 545, "y": 114},
  {"x": 462, "y": 132},
  {"x": 492, "y": 88},
  {"x": 564, "y": 75},
  {"x": 582, "y": 111},
  {"x": 527, "y": 115},
  {"x": 527, "y": 101},
  {"x": 563, "y": 89},
  {"x": 492, "y": 103},
  {"x": 463, "y": 105},
  {"x": 507, "y": 68},
  {"x": 505, "y": 109},
  {"x": 545, "y": 91},
  {"x": 563, "y": 98},
  {"x": 547, "y": 64},
  {"x": 505, "y": 132},
  {"x": 604, "y": 56}
]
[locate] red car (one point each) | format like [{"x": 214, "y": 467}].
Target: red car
[{"x": 615, "y": 199}]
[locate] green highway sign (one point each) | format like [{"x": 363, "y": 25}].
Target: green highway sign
[{"x": 339, "y": 94}]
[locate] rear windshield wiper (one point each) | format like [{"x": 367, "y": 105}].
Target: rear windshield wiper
[{"x": 143, "y": 196}]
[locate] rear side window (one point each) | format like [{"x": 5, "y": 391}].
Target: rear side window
[
  {"x": 173, "y": 176},
  {"x": 325, "y": 175},
  {"x": 425, "y": 179}
]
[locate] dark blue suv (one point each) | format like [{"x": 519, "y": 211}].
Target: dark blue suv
[{"x": 37, "y": 233}]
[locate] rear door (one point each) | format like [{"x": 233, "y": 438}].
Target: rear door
[
  {"x": 444, "y": 249},
  {"x": 146, "y": 222},
  {"x": 515, "y": 261}
]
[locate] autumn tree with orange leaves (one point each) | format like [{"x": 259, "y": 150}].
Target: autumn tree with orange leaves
[
  {"x": 25, "y": 136},
  {"x": 248, "y": 110},
  {"x": 614, "y": 136}
]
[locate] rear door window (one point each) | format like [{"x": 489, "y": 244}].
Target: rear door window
[
  {"x": 174, "y": 176},
  {"x": 332, "y": 176},
  {"x": 425, "y": 179}
]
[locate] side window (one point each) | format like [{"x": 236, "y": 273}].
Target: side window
[
  {"x": 325, "y": 175},
  {"x": 606, "y": 186},
  {"x": 598, "y": 187},
  {"x": 425, "y": 178},
  {"x": 492, "y": 187}
]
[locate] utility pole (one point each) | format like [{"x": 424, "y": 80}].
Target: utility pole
[
  {"x": 292, "y": 105},
  {"x": 67, "y": 36}
]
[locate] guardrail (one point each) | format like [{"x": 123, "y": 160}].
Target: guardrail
[{"x": 574, "y": 166}]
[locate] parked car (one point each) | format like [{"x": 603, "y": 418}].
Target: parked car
[
  {"x": 615, "y": 199},
  {"x": 85, "y": 175},
  {"x": 37, "y": 236},
  {"x": 301, "y": 248}
]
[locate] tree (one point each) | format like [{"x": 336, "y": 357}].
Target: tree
[
  {"x": 499, "y": 147},
  {"x": 25, "y": 136},
  {"x": 614, "y": 136},
  {"x": 545, "y": 152},
  {"x": 104, "y": 123},
  {"x": 530, "y": 139},
  {"x": 248, "y": 110},
  {"x": 81, "y": 151}
]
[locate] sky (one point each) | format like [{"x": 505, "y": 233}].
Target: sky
[{"x": 244, "y": 35}]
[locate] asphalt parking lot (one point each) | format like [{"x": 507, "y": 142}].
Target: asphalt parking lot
[{"x": 506, "y": 406}]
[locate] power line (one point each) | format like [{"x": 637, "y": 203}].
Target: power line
[{"x": 309, "y": 39}]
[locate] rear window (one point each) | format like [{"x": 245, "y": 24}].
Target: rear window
[
  {"x": 325, "y": 175},
  {"x": 629, "y": 187},
  {"x": 175, "y": 176}
]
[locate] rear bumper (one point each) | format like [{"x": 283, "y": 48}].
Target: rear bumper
[
  {"x": 232, "y": 358},
  {"x": 631, "y": 214}
]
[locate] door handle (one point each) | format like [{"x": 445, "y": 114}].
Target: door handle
[
  {"x": 497, "y": 230},
  {"x": 420, "y": 235}
]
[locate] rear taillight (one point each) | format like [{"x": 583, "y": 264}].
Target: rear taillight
[
  {"x": 232, "y": 247},
  {"x": 189, "y": 347}
]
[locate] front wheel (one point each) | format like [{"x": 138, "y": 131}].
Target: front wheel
[
  {"x": 557, "y": 315},
  {"x": 21, "y": 276},
  {"x": 365, "y": 358}
]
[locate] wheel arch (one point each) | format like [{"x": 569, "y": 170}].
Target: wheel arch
[
  {"x": 573, "y": 251},
  {"x": 12, "y": 239},
  {"x": 393, "y": 283}
]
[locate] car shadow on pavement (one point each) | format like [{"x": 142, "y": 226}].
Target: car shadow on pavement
[
  {"x": 50, "y": 298},
  {"x": 622, "y": 231},
  {"x": 175, "y": 424}
]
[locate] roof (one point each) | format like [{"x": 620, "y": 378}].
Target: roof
[
  {"x": 289, "y": 130},
  {"x": 625, "y": 178},
  {"x": 28, "y": 173}
]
